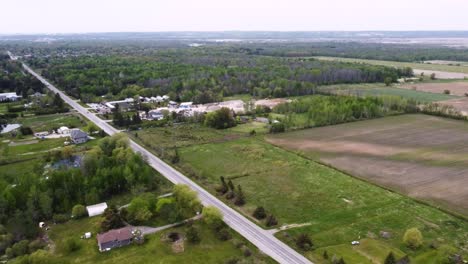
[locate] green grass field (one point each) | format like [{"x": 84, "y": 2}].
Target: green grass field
[
  {"x": 49, "y": 122},
  {"x": 154, "y": 250},
  {"x": 338, "y": 207},
  {"x": 381, "y": 89},
  {"x": 422, "y": 66}
]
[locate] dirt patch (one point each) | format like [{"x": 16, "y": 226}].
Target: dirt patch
[
  {"x": 441, "y": 74},
  {"x": 19, "y": 143},
  {"x": 271, "y": 102},
  {"x": 455, "y": 88}
]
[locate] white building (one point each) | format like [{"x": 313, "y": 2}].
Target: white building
[
  {"x": 63, "y": 130},
  {"x": 96, "y": 209},
  {"x": 9, "y": 97}
]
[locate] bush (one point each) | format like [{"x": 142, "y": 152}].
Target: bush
[
  {"x": 212, "y": 217},
  {"x": 26, "y": 131},
  {"x": 446, "y": 91},
  {"x": 36, "y": 245},
  {"x": 390, "y": 259},
  {"x": 220, "y": 119},
  {"x": 259, "y": 213},
  {"x": 71, "y": 245},
  {"x": 223, "y": 234},
  {"x": 271, "y": 221},
  {"x": 413, "y": 238},
  {"x": 19, "y": 249},
  {"x": 304, "y": 242},
  {"x": 246, "y": 251},
  {"x": 60, "y": 218},
  {"x": 79, "y": 211},
  {"x": 277, "y": 128},
  {"x": 192, "y": 235}
]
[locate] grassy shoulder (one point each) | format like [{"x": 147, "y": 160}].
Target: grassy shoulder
[
  {"x": 155, "y": 250},
  {"x": 335, "y": 208}
]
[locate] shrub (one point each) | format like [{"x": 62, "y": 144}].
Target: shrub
[
  {"x": 259, "y": 213},
  {"x": 71, "y": 245},
  {"x": 212, "y": 217},
  {"x": 60, "y": 218},
  {"x": 277, "y": 128},
  {"x": 20, "y": 248},
  {"x": 413, "y": 238},
  {"x": 446, "y": 91},
  {"x": 390, "y": 259},
  {"x": 35, "y": 245},
  {"x": 240, "y": 197},
  {"x": 192, "y": 235},
  {"x": 304, "y": 242},
  {"x": 79, "y": 211},
  {"x": 271, "y": 220},
  {"x": 223, "y": 234},
  {"x": 246, "y": 251},
  {"x": 26, "y": 131},
  {"x": 220, "y": 119},
  {"x": 388, "y": 81}
]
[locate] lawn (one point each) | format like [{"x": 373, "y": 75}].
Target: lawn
[
  {"x": 49, "y": 122},
  {"x": 422, "y": 66},
  {"x": 154, "y": 250},
  {"x": 381, "y": 89},
  {"x": 338, "y": 207}
]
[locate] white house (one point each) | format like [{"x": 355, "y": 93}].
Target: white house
[
  {"x": 9, "y": 97},
  {"x": 186, "y": 105},
  {"x": 63, "y": 130},
  {"x": 96, "y": 209}
]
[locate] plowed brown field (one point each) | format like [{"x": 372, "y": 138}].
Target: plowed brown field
[{"x": 422, "y": 156}]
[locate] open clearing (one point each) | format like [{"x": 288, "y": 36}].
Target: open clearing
[
  {"x": 455, "y": 88},
  {"x": 379, "y": 89},
  {"x": 338, "y": 207},
  {"x": 441, "y": 71},
  {"x": 423, "y": 156}
]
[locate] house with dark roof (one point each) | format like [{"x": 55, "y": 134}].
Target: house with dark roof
[
  {"x": 115, "y": 238},
  {"x": 77, "y": 136}
]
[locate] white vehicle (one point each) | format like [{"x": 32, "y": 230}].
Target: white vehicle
[{"x": 355, "y": 243}]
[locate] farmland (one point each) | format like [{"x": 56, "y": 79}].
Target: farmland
[
  {"x": 335, "y": 207},
  {"x": 420, "y": 66},
  {"x": 405, "y": 91},
  {"x": 455, "y": 88},
  {"x": 422, "y": 156}
]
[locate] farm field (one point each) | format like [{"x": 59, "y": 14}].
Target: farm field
[
  {"x": 335, "y": 208},
  {"x": 455, "y": 88},
  {"x": 422, "y": 156},
  {"x": 154, "y": 250},
  {"x": 419, "y": 95},
  {"x": 442, "y": 71}
]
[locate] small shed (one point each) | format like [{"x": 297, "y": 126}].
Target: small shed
[{"x": 96, "y": 209}]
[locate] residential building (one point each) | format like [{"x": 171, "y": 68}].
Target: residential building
[
  {"x": 77, "y": 136},
  {"x": 115, "y": 238}
]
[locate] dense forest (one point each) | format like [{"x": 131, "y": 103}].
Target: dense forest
[
  {"x": 330, "y": 110},
  {"x": 13, "y": 79},
  {"x": 110, "y": 168},
  {"x": 375, "y": 51},
  {"x": 202, "y": 75}
]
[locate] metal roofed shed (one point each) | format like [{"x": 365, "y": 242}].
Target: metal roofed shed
[{"x": 96, "y": 209}]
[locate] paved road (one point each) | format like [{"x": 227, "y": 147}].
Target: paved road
[{"x": 265, "y": 241}]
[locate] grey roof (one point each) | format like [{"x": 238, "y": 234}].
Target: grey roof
[{"x": 76, "y": 133}]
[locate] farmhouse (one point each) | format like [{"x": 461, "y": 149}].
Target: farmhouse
[
  {"x": 9, "y": 97},
  {"x": 115, "y": 238},
  {"x": 96, "y": 209},
  {"x": 77, "y": 136}
]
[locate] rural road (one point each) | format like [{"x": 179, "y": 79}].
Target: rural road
[{"x": 262, "y": 239}]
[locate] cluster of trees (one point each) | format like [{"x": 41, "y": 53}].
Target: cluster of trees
[
  {"x": 13, "y": 79},
  {"x": 329, "y": 110},
  {"x": 204, "y": 77},
  {"x": 362, "y": 50},
  {"x": 184, "y": 203},
  {"x": 121, "y": 120},
  {"x": 261, "y": 214},
  {"x": 231, "y": 192},
  {"x": 108, "y": 169},
  {"x": 220, "y": 119}
]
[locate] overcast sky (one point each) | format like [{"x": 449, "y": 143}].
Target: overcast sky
[{"x": 66, "y": 16}]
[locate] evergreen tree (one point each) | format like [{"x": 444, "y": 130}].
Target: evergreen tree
[
  {"x": 390, "y": 259},
  {"x": 240, "y": 197}
]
